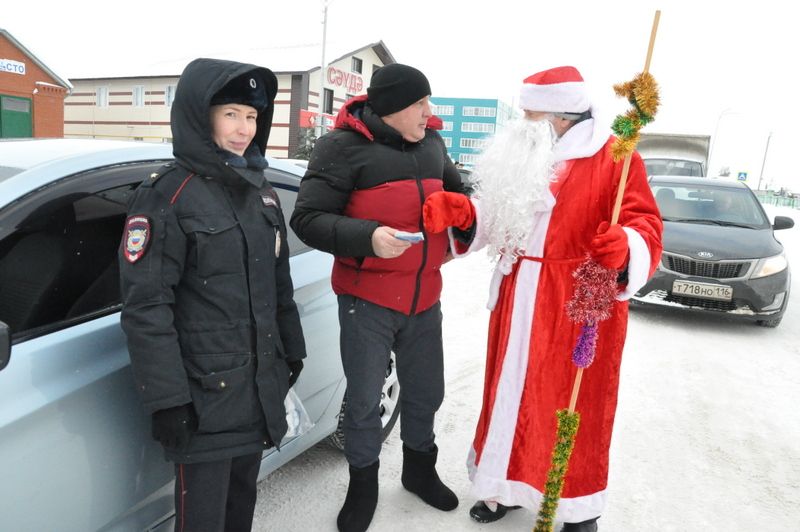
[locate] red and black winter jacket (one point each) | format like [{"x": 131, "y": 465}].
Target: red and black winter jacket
[{"x": 363, "y": 175}]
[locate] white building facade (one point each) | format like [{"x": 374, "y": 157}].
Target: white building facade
[{"x": 138, "y": 107}]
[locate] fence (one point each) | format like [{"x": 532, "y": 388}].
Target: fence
[{"x": 770, "y": 198}]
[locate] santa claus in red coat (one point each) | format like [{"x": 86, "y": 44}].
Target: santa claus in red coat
[{"x": 546, "y": 187}]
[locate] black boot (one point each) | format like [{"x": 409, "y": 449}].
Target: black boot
[
  {"x": 481, "y": 513},
  {"x": 590, "y": 525},
  {"x": 361, "y": 500},
  {"x": 420, "y": 477}
]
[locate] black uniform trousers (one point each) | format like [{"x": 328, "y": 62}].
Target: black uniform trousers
[{"x": 217, "y": 496}]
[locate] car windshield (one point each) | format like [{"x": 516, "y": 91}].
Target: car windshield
[
  {"x": 673, "y": 167},
  {"x": 8, "y": 171},
  {"x": 707, "y": 204}
]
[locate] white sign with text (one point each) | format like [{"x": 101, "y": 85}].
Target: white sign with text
[{"x": 15, "y": 67}]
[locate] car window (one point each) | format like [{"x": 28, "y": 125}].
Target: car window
[
  {"x": 58, "y": 247},
  {"x": 673, "y": 167},
  {"x": 714, "y": 204},
  {"x": 58, "y": 250},
  {"x": 8, "y": 171},
  {"x": 287, "y": 185}
]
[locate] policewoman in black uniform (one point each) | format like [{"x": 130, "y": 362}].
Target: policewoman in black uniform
[{"x": 213, "y": 331}]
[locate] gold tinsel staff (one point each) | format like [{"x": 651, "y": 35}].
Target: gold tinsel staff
[{"x": 595, "y": 286}]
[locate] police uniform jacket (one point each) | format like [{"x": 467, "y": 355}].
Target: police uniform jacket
[{"x": 208, "y": 299}]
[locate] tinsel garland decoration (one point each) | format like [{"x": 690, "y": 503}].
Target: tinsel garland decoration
[
  {"x": 583, "y": 354},
  {"x": 596, "y": 286},
  {"x": 591, "y": 303},
  {"x": 642, "y": 93},
  {"x": 595, "y": 292},
  {"x": 565, "y": 441}
]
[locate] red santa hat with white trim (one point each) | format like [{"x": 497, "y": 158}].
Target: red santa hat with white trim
[{"x": 556, "y": 90}]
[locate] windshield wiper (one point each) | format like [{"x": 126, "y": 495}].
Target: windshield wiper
[
  {"x": 729, "y": 224},
  {"x": 708, "y": 222}
]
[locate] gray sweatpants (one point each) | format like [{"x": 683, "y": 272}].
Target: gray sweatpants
[{"x": 369, "y": 333}]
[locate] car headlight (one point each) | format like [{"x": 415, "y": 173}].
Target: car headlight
[{"x": 770, "y": 266}]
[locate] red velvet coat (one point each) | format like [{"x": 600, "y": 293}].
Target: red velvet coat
[{"x": 529, "y": 372}]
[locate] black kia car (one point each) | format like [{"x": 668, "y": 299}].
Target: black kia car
[{"x": 720, "y": 252}]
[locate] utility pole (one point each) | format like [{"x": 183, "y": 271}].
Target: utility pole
[
  {"x": 764, "y": 162},
  {"x": 321, "y": 99},
  {"x": 714, "y": 140}
]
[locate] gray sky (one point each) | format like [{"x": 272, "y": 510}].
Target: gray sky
[{"x": 723, "y": 70}]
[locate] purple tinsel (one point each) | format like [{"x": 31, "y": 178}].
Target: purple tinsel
[{"x": 583, "y": 354}]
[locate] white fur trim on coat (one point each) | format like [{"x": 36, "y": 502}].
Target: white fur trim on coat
[{"x": 638, "y": 265}]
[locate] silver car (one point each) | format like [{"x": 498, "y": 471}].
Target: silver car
[{"x": 75, "y": 446}]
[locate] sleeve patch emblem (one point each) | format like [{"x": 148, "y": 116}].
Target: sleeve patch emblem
[{"x": 137, "y": 237}]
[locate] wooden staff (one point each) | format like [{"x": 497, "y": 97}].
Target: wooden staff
[
  {"x": 620, "y": 192},
  {"x": 568, "y": 420}
]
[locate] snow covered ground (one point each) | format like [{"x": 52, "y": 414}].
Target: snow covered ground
[{"x": 707, "y": 436}]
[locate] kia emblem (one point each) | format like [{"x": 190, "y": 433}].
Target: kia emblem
[{"x": 705, "y": 254}]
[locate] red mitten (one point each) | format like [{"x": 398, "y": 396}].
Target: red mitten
[
  {"x": 447, "y": 209},
  {"x": 609, "y": 246}
]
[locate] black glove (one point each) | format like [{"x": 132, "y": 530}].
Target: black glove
[
  {"x": 295, "y": 367},
  {"x": 173, "y": 427}
]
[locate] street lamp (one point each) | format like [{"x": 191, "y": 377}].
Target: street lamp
[{"x": 764, "y": 162}]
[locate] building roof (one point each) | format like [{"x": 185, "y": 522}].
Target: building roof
[
  {"x": 66, "y": 84},
  {"x": 294, "y": 59}
]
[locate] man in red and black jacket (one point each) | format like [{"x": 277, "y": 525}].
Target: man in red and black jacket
[{"x": 366, "y": 181}]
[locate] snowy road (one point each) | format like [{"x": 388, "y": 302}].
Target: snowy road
[{"x": 707, "y": 436}]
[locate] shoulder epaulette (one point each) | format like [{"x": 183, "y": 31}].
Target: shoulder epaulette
[
  {"x": 165, "y": 169},
  {"x": 170, "y": 179}
]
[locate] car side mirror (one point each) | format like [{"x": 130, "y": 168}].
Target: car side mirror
[
  {"x": 5, "y": 345},
  {"x": 782, "y": 222}
]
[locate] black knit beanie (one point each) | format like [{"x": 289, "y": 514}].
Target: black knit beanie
[{"x": 395, "y": 87}]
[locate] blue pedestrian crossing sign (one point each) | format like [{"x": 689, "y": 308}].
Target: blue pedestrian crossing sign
[{"x": 742, "y": 176}]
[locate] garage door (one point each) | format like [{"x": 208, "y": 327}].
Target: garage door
[{"x": 15, "y": 117}]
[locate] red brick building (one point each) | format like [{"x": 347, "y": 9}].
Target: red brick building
[{"x": 31, "y": 95}]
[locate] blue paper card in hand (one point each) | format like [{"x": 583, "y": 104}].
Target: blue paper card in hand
[{"x": 410, "y": 237}]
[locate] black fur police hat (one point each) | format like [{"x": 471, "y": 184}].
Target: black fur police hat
[
  {"x": 395, "y": 87},
  {"x": 247, "y": 89}
]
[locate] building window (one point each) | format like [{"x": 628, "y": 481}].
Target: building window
[
  {"x": 442, "y": 110},
  {"x": 477, "y": 144},
  {"x": 477, "y": 127},
  {"x": 15, "y": 104},
  {"x": 357, "y": 65},
  {"x": 101, "y": 97},
  {"x": 169, "y": 95},
  {"x": 479, "y": 111},
  {"x": 447, "y": 126},
  {"x": 467, "y": 158},
  {"x": 138, "y": 96},
  {"x": 448, "y": 142},
  {"x": 327, "y": 104}
]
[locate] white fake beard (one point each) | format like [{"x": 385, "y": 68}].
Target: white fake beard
[{"x": 512, "y": 175}]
